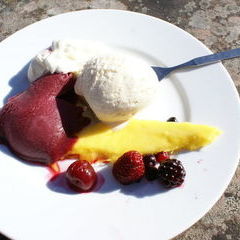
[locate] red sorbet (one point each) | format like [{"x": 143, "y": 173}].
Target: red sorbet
[{"x": 39, "y": 124}]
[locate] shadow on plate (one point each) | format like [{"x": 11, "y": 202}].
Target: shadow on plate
[
  {"x": 19, "y": 83},
  {"x": 58, "y": 184},
  {"x": 140, "y": 189},
  {"x": 107, "y": 184}
]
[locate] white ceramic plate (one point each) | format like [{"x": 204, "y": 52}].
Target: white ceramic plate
[{"x": 32, "y": 209}]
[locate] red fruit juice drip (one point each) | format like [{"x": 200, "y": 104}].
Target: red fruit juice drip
[
  {"x": 106, "y": 161},
  {"x": 54, "y": 170},
  {"x": 94, "y": 161},
  {"x": 200, "y": 161},
  {"x": 181, "y": 186},
  {"x": 100, "y": 159}
]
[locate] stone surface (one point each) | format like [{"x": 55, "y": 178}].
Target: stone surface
[{"x": 214, "y": 22}]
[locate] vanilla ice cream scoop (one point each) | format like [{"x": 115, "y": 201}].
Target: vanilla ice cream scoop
[
  {"x": 64, "y": 56},
  {"x": 117, "y": 86}
]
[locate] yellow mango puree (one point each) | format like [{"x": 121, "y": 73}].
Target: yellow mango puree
[{"x": 102, "y": 142}]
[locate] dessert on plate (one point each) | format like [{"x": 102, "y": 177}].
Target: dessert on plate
[
  {"x": 37, "y": 124},
  {"x": 48, "y": 122}
]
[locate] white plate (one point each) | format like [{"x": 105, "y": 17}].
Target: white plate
[{"x": 32, "y": 209}]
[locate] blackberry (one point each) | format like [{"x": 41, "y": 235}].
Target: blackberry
[
  {"x": 172, "y": 119},
  {"x": 171, "y": 173},
  {"x": 151, "y": 167}
]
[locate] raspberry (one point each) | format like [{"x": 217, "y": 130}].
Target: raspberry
[
  {"x": 151, "y": 167},
  {"x": 162, "y": 156},
  {"x": 81, "y": 176},
  {"x": 129, "y": 168},
  {"x": 171, "y": 173}
]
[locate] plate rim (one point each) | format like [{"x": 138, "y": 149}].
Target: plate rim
[{"x": 235, "y": 92}]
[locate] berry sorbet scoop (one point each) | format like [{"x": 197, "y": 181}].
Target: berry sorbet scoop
[{"x": 37, "y": 124}]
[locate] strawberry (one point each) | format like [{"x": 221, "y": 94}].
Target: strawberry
[{"x": 129, "y": 167}]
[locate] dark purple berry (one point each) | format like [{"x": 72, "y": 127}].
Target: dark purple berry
[
  {"x": 171, "y": 173},
  {"x": 151, "y": 167},
  {"x": 172, "y": 119}
]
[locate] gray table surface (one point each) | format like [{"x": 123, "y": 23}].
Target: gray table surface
[{"x": 214, "y": 22}]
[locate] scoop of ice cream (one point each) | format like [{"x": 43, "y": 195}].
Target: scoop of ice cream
[
  {"x": 64, "y": 56},
  {"x": 117, "y": 86},
  {"x": 37, "y": 66}
]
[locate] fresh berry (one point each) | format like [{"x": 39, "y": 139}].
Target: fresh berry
[
  {"x": 162, "y": 156},
  {"x": 171, "y": 173},
  {"x": 172, "y": 119},
  {"x": 151, "y": 167},
  {"x": 129, "y": 167},
  {"x": 81, "y": 175}
]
